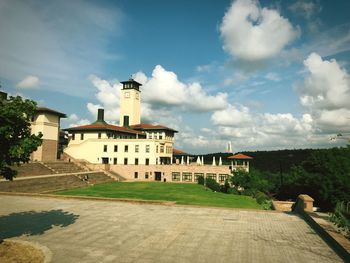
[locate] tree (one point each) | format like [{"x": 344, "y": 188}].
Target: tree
[
  {"x": 16, "y": 140},
  {"x": 251, "y": 182}
]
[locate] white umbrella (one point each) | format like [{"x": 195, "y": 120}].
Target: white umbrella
[
  {"x": 182, "y": 160},
  {"x": 188, "y": 160},
  {"x": 220, "y": 161},
  {"x": 214, "y": 163},
  {"x": 198, "y": 160},
  {"x": 202, "y": 160}
]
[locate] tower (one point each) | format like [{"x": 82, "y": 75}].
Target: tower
[{"x": 130, "y": 103}]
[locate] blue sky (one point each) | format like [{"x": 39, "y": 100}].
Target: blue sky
[{"x": 261, "y": 74}]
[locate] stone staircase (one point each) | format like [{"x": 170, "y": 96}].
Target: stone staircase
[
  {"x": 61, "y": 167},
  {"x": 32, "y": 169},
  {"x": 53, "y": 183}
]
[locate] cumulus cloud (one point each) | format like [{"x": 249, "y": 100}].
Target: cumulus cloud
[
  {"x": 252, "y": 33},
  {"x": 326, "y": 93},
  {"x": 232, "y": 116},
  {"x": 164, "y": 88},
  {"x": 108, "y": 96},
  {"x": 250, "y": 130},
  {"x": 29, "y": 82}
]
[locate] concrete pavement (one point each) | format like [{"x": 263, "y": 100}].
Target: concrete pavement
[{"x": 104, "y": 231}]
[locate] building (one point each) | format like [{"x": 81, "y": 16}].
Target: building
[
  {"x": 131, "y": 143},
  {"x": 47, "y": 122},
  {"x": 134, "y": 150}
]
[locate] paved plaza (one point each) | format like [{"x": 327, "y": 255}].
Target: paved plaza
[{"x": 105, "y": 231}]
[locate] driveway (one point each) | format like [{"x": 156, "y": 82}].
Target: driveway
[{"x": 105, "y": 231}]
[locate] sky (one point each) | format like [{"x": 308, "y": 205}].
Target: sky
[{"x": 263, "y": 75}]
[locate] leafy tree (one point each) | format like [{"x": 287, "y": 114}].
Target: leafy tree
[
  {"x": 251, "y": 182},
  {"x": 16, "y": 140}
]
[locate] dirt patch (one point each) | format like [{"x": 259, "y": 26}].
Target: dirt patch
[{"x": 14, "y": 252}]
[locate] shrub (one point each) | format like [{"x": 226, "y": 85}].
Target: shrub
[
  {"x": 225, "y": 187},
  {"x": 341, "y": 218},
  {"x": 261, "y": 197},
  {"x": 233, "y": 191},
  {"x": 201, "y": 180},
  {"x": 267, "y": 205},
  {"x": 212, "y": 184}
]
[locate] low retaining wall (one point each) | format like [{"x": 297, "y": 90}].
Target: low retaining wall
[{"x": 303, "y": 207}]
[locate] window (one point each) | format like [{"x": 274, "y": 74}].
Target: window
[
  {"x": 136, "y": 148},
  {"x": 105, "y": 148},
  {"x": 127, "y": 94},
  {"x": 155, "y": 136},
  {"x": 136, "y": 175},
  {"x": 196, "y": 175},
  {"x": 99, "y": 135},
  {"x": 147, "y": 148},
  {"x": 211, "y": 175},
  {"x": 162, "y": 148},
  {"x": 160, "y": 137},
  {"x": 157, "y": 149},
  {"x": 146, "y": 175},
  {"x": 73, "y": 136},
  {"x": 115, "y": 161},
  {"x": 82, "y": 136},
  {"x": 187, "y": 177},
  {"x": 175, "y": 176},
  {"x": 126, "y": 148},
  {"x": 125, "y": 160},
  {"x": 147, "y": 161},
  {"x": 115, "y": 148},
  {"x": 136, "y": 161},
  {"x": 150, "y": 136},
  {"x": 222, "y": 178}
]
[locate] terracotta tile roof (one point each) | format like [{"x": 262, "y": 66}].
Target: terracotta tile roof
[
  {"x": 103, "y": 127},
  {"x": 178, "y": 152},
  {"x": 146, "y": 126},
  {"x": 239, "y": 156},
  {"x": 44, "y": 109}
]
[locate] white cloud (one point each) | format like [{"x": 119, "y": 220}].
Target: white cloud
[
  {"x": 73, "y": 117},
  {"x": 326, "y": 93},
  {"x": 164, "y": 88},
  {"x": 232, "y": 116},
  {"x": 29, "y": 82},
  {"x": 108, "y": 96},
  {"x": 253, "y": 33}
]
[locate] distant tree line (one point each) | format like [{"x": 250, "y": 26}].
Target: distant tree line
[{"x": 324, "y": 174}]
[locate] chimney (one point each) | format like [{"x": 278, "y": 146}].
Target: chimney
[{"x": 100, "y": 115}]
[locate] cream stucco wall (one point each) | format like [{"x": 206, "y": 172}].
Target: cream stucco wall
[
  {"x": 130, "y": 105},
  {"x": 93, "y": 150}
]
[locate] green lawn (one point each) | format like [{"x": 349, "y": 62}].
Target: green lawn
[{"x": 186, "y": 194}]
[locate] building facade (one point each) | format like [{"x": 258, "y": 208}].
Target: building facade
[
  {"x": 47, "y": 122},
  {"x": 131, "y": 143}
]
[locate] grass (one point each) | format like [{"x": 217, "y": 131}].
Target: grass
[{"x": 185, "y": 194}]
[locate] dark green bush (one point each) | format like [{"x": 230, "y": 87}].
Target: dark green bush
[
  {"x": 212, "y": 184},
  {"x": 201, "y": 180},
  {"x": 225, "y": 187},
  {"x": 261, "y": 197}
]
